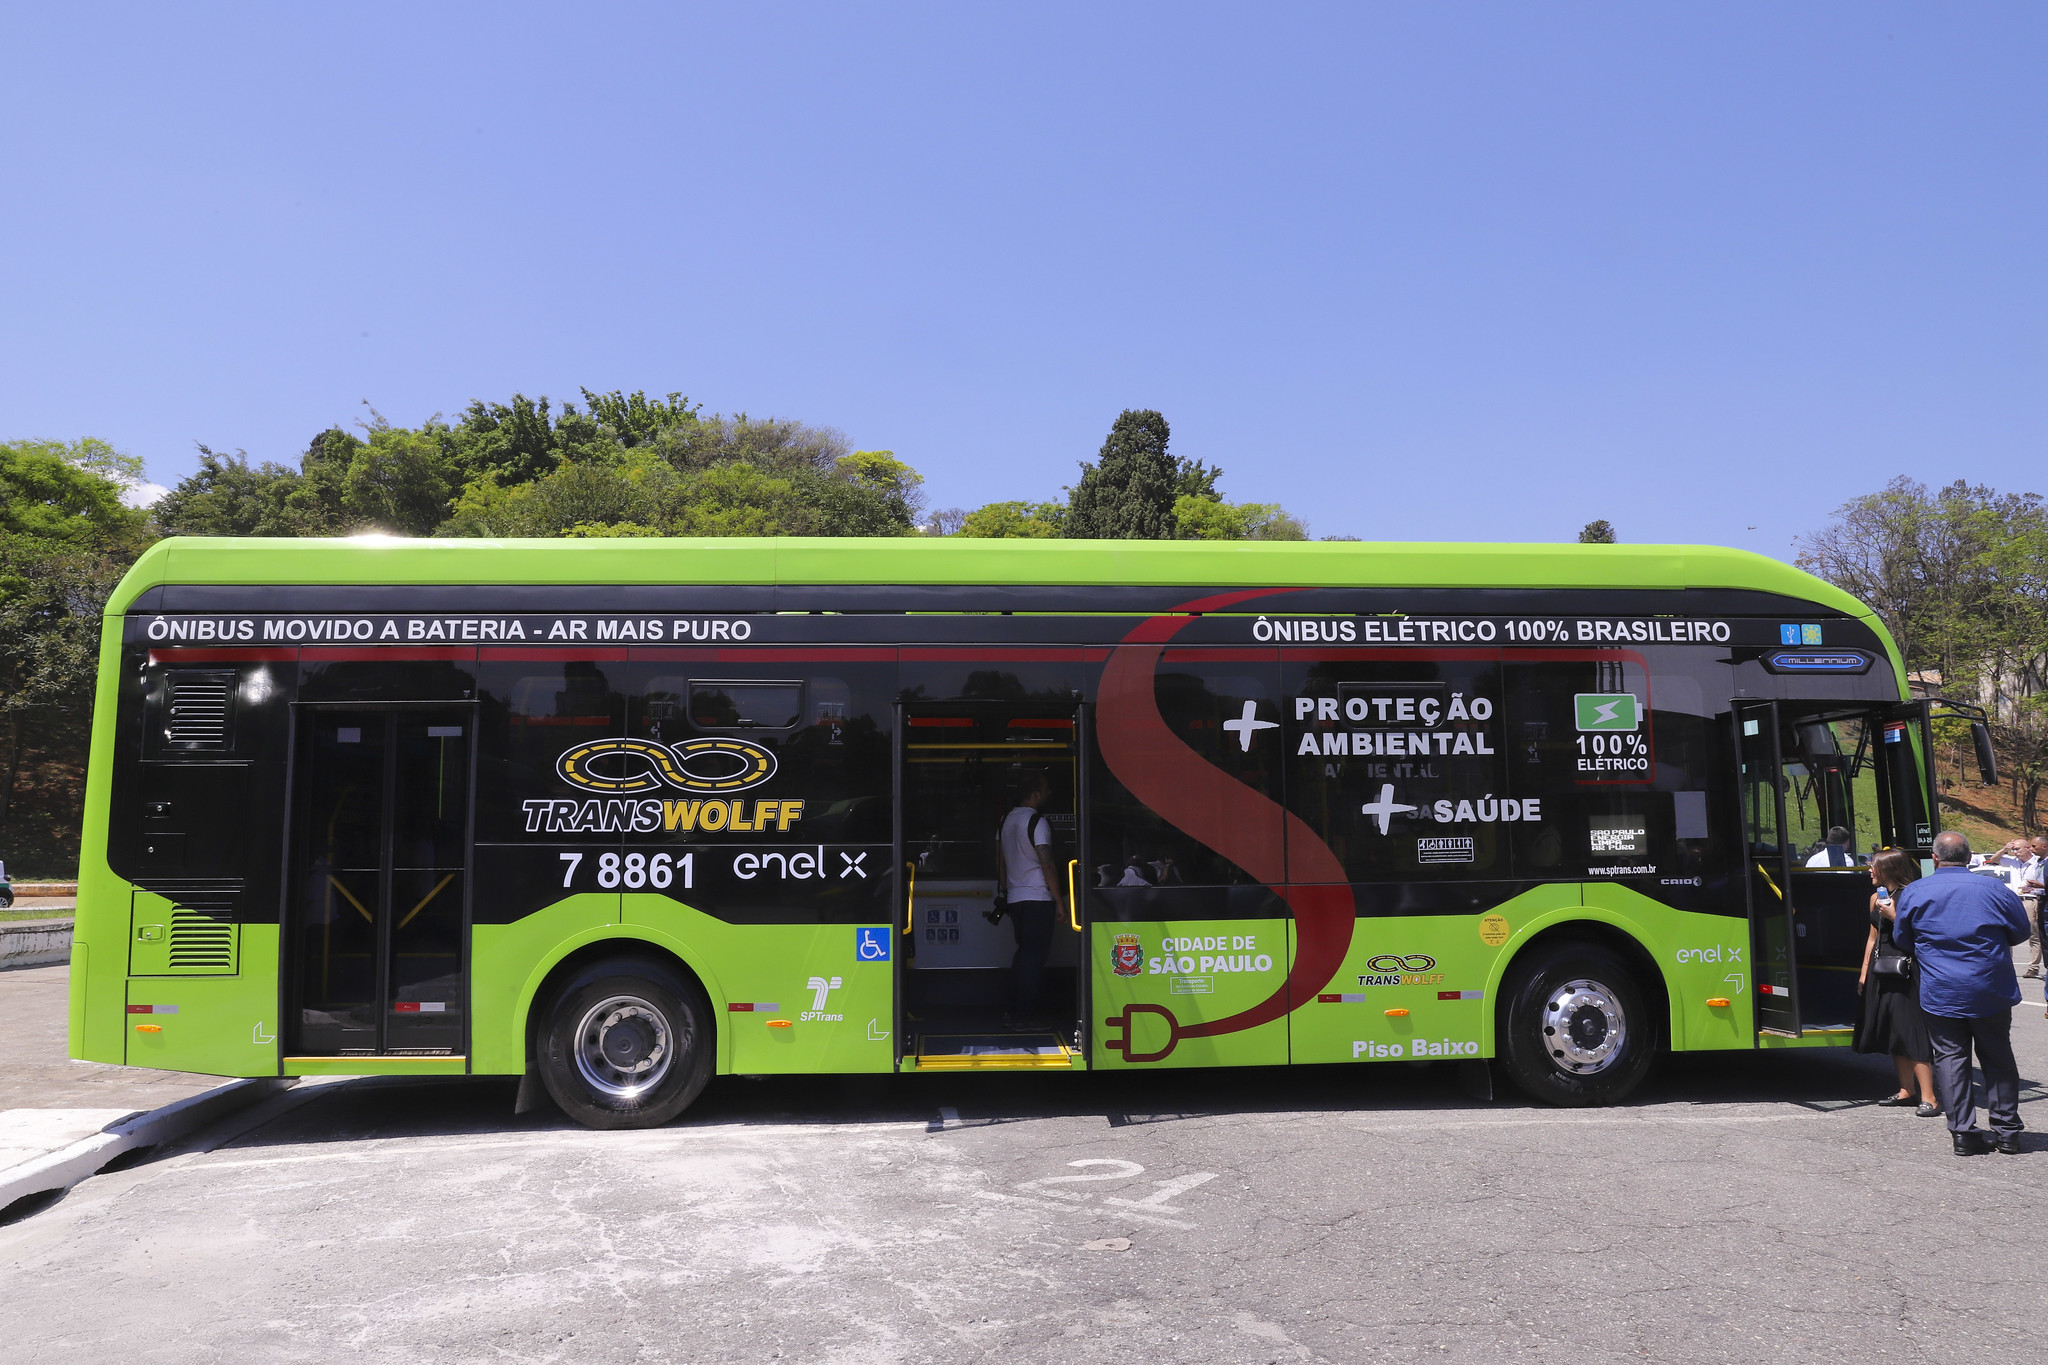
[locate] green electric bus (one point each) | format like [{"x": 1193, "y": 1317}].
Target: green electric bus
[{"x": 615, "y": 816}]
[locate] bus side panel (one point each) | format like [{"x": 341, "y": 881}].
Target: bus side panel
[
  {"x": 98, "y": 980},
  {"x": 1154, "y": 980},
  {"x": 507, "y": 964},
  {"x": 790, "y": 998},
  {"x": 1701, "y": 958},
  {"x": 794, "y": 967},
  {"x": 1422, "y": 985},
  {"x": 224, "y": 1025}
]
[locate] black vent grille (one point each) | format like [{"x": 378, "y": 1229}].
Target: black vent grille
[
  {"x": 198, "y": 710},
  {"x": 202, "y": 942}
]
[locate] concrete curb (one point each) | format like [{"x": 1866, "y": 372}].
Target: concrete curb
[
  {"x": 61, "y": 1169},
  {"x": 35, "y": 943}
]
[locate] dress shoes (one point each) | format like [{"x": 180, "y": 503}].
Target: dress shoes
[
  {"x": 1896, "y": 1101},
  {"x": 1928, "y": 1111},
  {"x": 2008, "y": 1143},
  {"x": 1976, "y": 1142}
]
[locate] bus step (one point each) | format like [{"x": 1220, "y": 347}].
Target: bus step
[{"x": 993, "y": 1052}]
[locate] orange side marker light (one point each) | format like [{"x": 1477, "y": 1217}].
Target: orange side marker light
[
  {"x": 1397, "y": 1014},
  {"x": 1717, "y": 1002},
  {"x": 149, "y": 1028},
  {"x": 780, "y": 1023}
]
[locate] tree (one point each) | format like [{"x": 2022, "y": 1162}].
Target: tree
[
  {"x": 1014, "y": 521},
  {"x": 1211, "y": 518},
  {"x": 1597, "y": 533},
  {"x": 227, "y": 496},
  {"x": 397, "y": 482},
  {"x": 1129, "y": 492},
  {"x": 66, "y": 538},
  {"x": 69, "y": 494},
  {"x": 1955, "y": 575}
]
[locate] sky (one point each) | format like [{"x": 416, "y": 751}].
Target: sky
[{"x": 1416, "y": 272}]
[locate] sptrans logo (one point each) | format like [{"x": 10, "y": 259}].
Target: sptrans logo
[{"x": 719, "y": 764}]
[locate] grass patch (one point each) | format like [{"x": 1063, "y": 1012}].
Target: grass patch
[{"x": 21, "y": 913}]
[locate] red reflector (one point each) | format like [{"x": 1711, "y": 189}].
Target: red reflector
[
  {"x": 1329, "y": 1000},
  {"x": 961, "y": 722},
  {"x": 407, "y": 1007},
  {"x": 140, "y": 1009}
]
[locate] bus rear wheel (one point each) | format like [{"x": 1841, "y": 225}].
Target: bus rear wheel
[
  {"x": 627, "y": 1043},
  {"x": 1575, "y": 1026}
]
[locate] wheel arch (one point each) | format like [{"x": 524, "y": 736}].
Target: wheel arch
[
  {"x": 1587, "y": 924},
  {"x": 572, "y": 954}
]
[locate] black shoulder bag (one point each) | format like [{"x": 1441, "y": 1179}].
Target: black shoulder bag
[{"x": 1890, "y": 959}]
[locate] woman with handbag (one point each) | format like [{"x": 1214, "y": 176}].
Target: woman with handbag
[{"x": 1890, "y": 1020}]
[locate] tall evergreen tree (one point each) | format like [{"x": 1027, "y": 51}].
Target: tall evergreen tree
[{"x": 1128, "y": 493}]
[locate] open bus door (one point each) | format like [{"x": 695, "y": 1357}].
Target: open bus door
[
  {"x": 958, "y": 768},
  {"x": 1767, "y": 864}
]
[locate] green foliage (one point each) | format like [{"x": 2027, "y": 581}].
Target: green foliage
[
  {"x": 398, "y": 482},
  {"x": 1959, "y": 575},
  {"x": 1211, "y": 518},
  {"x": 1135, "y": 490},
  {"x": 69, "y": 494},
  {"x": 1128, "y": 493},
  {"x": 635, "y": 419},
  {"x": 1597, "y": 533},
  {"x": 627, "y": 465},
  {"x": 66, "y": 538},
  {"x": 1196, "y": 480},
  {"x": 1014, "y": 521}
]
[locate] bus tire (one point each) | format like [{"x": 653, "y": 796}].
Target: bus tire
[
  {"x": 626, "y": 1043},
  {"x": 1575, "y": 1026}
]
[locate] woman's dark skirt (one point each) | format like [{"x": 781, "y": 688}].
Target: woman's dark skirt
[{"x": 1891, "y": 1021}]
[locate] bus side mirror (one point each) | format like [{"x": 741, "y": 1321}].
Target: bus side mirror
[{"x": 1987, "y": 762}]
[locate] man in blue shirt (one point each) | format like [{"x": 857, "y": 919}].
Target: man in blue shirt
[{"x": 1960, "y": 929}]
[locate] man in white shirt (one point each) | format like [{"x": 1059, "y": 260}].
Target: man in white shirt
[
  {"x": 2032, "y": 883},
  {"x": 1032, "y": 896},
  {"x": 1834, "y": 850}
]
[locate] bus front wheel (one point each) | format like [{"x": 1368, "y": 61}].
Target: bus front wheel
[
  {"x": 627, "y": 1043},
  {"x": 1575, "y": 1026}
]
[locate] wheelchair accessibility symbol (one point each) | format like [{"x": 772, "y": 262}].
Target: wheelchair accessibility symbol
[{"x": 871, "y": 945}]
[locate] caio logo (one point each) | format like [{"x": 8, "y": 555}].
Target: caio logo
[{"x": 712, "y": 764}]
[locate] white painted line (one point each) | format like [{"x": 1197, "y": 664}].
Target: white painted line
[{"x": 1085, "y": 1209}]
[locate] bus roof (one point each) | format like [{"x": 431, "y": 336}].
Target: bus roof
[{"x": 916, "y": 560}]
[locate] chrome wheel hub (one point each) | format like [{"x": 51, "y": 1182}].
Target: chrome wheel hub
[
  {"x": 624, "y": 1046},
  {"x": 1583, "y": 1027}
]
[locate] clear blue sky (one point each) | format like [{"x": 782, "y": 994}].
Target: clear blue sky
[{"x": 1416, "y": 271}]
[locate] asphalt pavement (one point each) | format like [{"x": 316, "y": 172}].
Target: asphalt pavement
[{"x": 1743, "y": 1206}]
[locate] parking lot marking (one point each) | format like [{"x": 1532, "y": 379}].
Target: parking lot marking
[
  {"x": 1083, "y": 1209},
  {"x": 1167, "y": 1190}
]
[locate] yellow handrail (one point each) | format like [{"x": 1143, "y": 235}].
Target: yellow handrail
[
  {"x": 910, "y": 906},
  {"x": 1073, "y": 906}
]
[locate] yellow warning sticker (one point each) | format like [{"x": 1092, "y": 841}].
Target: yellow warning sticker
[{"x": 1493, "y": 930}]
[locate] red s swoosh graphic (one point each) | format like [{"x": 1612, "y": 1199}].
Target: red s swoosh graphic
[{"x": 1244, "y": 826}]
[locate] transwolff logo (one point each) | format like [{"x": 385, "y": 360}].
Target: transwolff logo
[{"x": 711, "y": 764}]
